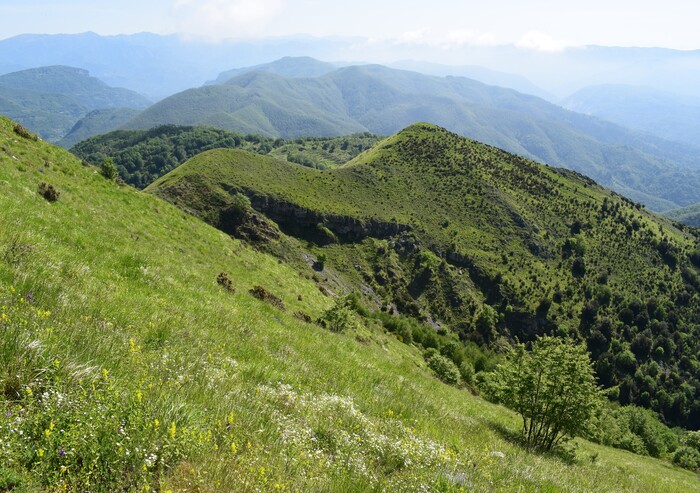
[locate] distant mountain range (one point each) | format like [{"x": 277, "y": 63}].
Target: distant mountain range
[
  {"x": 158, "y": 65},
  {"x": 381, "y": 100},
  {"x": 667, "y": 115},
  {"x": 50, "y": 100},
  {"x": 304, "y": 96}
]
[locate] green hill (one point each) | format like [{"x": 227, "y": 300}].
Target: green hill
[
  {"x": 687, "y": 215},
  {"x": 97, "y": 122},
  {"x": 126, "y": 367},
  {"x": 142, "y": 156},
  {"x": 659, "y": 173},
  {"x": 50, "y": 100},
  {"x": 439, "y": 227}
]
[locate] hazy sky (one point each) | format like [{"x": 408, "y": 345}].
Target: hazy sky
[{"x": 540, "y": 24}]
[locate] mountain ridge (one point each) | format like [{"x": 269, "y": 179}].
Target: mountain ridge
[{"x": 383, "y": 100}]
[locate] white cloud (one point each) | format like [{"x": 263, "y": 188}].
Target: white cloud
[
  {"x": 539, "y": 41},
  {"x": 458, "y": 39},
  {"x": 225, "y": 18},
  {"x": 414, "y": 37},
  {"x": 446, "y": 41}
]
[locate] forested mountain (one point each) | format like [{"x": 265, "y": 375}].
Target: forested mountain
[
  {"x": 142, "y": 156},
  {"x": 50, "y": 100},
  {"x": 97, "y": 122},
  {"x": 660, "y": 173}
]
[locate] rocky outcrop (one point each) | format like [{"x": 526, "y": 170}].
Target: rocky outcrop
[{"x": 302, "y": 222}]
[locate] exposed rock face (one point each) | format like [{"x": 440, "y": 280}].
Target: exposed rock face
[{"x": 303, "y": 222}]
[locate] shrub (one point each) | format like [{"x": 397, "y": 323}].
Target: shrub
[
  {"x": 108, "y": 169},
  {"x": 552, "y": 387},
  {"x": 224, "y": 280},
  {"x": 444, "y": 368},
  {"x": 429, "y": 353},
  {"x": 466, "y": 370},
  {"x": 49, "y": 192},
  {"x": 687, "y": 457},
  {"x": 24, "y": 132}
]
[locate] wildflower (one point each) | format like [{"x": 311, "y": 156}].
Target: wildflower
[
  {"x": 156, "y": 423},
  {"x": 139, "y": 395},
  {"x": 234, "y": 448},
  {"x": 40, "y": 452},
  {"x": 61, "y": 452},
  {"x": 30, "y": 297},
  {"x": 172, "y": 430}
]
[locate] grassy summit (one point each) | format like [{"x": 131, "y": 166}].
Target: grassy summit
[{"x": 126, "y": 367}]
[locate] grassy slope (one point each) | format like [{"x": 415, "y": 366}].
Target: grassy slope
[{"x": 130, "y": 285}]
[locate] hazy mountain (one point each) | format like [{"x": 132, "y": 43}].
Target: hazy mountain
[
  {"x": 152, "y": 64},
  {"x": 286, "y": 67},
  {"x": 95, "y": 123},
  {"x": 50, "y": 100},
  {"x": 383, "y": 100},
  {"x": 158, "y": 66},
  {"x": 689, "y": 215},
  {"x": 667, "y": 115},
  {"x": 482, "y": 74}
]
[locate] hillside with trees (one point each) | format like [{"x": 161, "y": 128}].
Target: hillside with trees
[{"x": 484, "y": 245}]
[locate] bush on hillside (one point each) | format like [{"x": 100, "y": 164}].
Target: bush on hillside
[
  {"x": 552, "y": 387},
  {"x": 444, "y": 368}
]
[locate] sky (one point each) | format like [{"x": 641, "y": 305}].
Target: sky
[{"x": 546, "y": 25}]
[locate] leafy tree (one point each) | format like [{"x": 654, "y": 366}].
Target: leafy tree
[{"x": 552, "y": 387}]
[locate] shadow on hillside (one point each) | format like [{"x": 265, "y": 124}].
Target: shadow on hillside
[{"x": 565, "y": 453}]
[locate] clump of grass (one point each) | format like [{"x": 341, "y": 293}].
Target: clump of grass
[
  {"x": 49, "y": 192},
  {"x": 263, "y": 294}
]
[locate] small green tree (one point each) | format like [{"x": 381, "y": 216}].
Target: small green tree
[
  {"x": 339, "y": 317},
  {"x": 552, "y": 387},
  {"x": 108, "y": 169}
]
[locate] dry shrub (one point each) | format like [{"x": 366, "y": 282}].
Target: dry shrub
[
  {"x": 263, "y": 294},
  {"x": 49, "y": 192},
  {"x": 23, "y": 131},
  {"x": 224, "y": 280}
]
